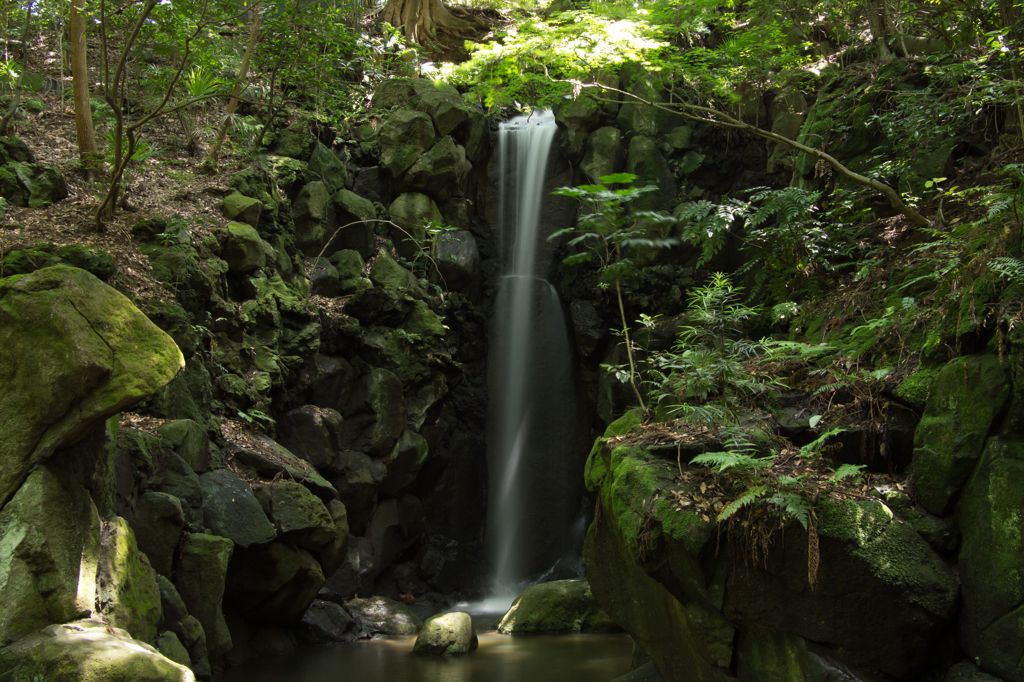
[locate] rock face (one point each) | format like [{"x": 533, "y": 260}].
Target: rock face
[
  {"x": 68, "y": 339},
  {"x": 447, "y": 634},
  {"x": 202, "y": 568},
  {"x": 384, "y": 616},
  {"x": 128, "y": 596},
  {"x": 688, "y": 605},
  {"x": 557, "y": 607},
  {"x": 88, "y": 650}
]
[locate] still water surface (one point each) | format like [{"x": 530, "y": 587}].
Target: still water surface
[{"x": 500, "y": 658}]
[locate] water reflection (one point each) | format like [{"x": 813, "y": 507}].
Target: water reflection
[{"x": 569, "y": 658}]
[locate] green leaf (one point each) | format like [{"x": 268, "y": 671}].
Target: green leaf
[{"x": 617, "y": 179}]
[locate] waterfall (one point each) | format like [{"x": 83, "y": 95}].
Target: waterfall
[{"x": 533, "y": 416}]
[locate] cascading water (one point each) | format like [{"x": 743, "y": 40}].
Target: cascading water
[{"x": 534, "y": 439}]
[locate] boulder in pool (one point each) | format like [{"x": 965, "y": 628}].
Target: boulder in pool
[
  {"x": 447, "y": 634},
  {"x": 557, "y": 607},
  {"x": 380, "y": 615}
]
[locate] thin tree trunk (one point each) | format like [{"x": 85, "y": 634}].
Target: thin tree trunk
[
  {"x": 84, "y": 131},
  {"x": 876, "y": 20},
  {"x": 210, "y": 163},
  {"x": 6, "y": 121}
]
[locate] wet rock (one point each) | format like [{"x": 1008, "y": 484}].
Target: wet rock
[
  {"x": 588, "y": 326},
  {"x": 333, "y": 554},
  {"x": 404, "y": 462},
  {"x": 288, "y": 603},
  {"x": 158, "y": 523},
  {"x": 448, "y": 634},
  {"x": 170, "y": 646},
  {"x": 334, "y": 382},
  {"x": 379, "y": 615},
  {"x": 230, "y": 509},
  {"x": 355, "y": 575},
  {"x": 357, "y": 479},
  {"x": 324, "y": 623},
  {"x": 557, "y": 607}
]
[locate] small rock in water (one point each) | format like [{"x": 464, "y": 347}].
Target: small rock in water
[{"x": 447, "y": 634}]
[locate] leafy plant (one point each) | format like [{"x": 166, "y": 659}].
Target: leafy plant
[
  {"x": 607, "y": 234},
  {"x": 702, "y": 377}
]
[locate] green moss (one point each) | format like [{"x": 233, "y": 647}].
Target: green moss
[{"x": 914, "y": 389}]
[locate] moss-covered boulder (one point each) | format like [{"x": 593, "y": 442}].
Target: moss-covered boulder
[
  {"x": 356, "y": 221},
  {"x": 635, "y": 118},
  {"x": 605, "y": 154},
  {"x": 403, "y": 138},
  {"x": 84, "y": 256},
  {"x": 127, "y": 596},
  {"x": 13, "y": 149},
  {"x": 49, "y": 554},
  {"x": 36, "y": 185},
  {"x": 441, "y": 170},
  {"x": 68, "y": 340},
  {"x": 313, "y": 215},
  {"x": 557, "y": 607},
  {"x": 963, "y": 402},
  {"x": 446, "y": 634},
  {"x": 395, "y": 280},
  {"x": 409, "y": 211},
  {"x": 88, "y": 651},
  {"x": 296, "y": 141},
  {"x": 243, "y": 249},
  {"x": 190, "y": 440},
  {"x": 645, "y": 161},
  {"x": 992, "y": 561},
  {"x": 231, "y": 510},
  {"x": 300, "y": 516},
  {"x": 201, "y": 570},
  {"x": 158, "y": 522},
  {"x": 328, "y": 168},
  {"x": 445, "y": 107},
  {"x": 243, "y": 209},
  {"x": 404, "y": 461}
]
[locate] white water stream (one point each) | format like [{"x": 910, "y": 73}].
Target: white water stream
[{"x": 533, "y": 409}]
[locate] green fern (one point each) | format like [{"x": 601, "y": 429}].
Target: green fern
[
  {"x": 848, "y": 471},
  {"x": 815, "y": 446},
  {"x": 1008, "y": 267},
  {"x": 792, "y": 505},
  {"x": 749, "y": 497},
  {"x": 732, "y": 460}
]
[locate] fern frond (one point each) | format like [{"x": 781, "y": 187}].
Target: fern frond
[
  {"x": 793, "y": 505},
  {"x": 1009, "y": 267},
  {"x": 848, "y": 471},
  {"x": 749, "y": 497},
  {"x": 730, "y": 460}
]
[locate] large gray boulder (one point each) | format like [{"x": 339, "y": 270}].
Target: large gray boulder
[
  {"x": 32, "y": 184},
  {"x": 355, "y": 575},
  {"x": 447, "y": 634},
  {"x": 243, "y": 209},
  {"x": 69, "y": 340},
  {"x": 230, "y": 509},
  {"x": 404, "y": 138},
  {"x": 445, "y": 107},
  {"x": 358, "y": 478},
  {"x": 295, "y": 142},
  {"x": 378, "y": 394},
  {"x": 324, "y": 623},
  {"x": 88, "y": 651},
  {"x": 578, "y": 117},
  {"x": 190, "y": 441}
]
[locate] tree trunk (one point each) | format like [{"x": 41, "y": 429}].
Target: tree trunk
[
  {"x": 210, "y": 163},
  {"x": 16, "y": 102},
  {"x": 87, "y": 149},
  {"x": 420, "y": 20},
  {"x": 879, "y": 27}
]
